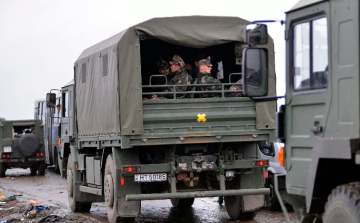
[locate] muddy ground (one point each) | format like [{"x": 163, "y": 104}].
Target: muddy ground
[{"x": 51, "y": 191}]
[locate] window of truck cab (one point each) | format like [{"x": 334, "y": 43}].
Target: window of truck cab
[
  {"x": 65, "y": 104},
  {"x": 310, "y": 54}
]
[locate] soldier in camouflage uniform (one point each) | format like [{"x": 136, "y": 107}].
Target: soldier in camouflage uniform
[
  {"x": 204, "y": 77},
  {"x": 237, "y": 88},
  {"x": 164, "y": 67},
  {"x": 178, "y": 75}
]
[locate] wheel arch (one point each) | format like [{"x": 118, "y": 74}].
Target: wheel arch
[{"x": 330, "y": 174}]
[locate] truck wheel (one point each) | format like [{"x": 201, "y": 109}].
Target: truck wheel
[
  {"x": 42, "y": 168},
  {"x": 33, "y": 170},
  {"x": 183, "y": 202},
  {"x": 233, "y": 206},
  {"x": 110, "y": 199},
  {"x": 2, "y": 169},
  {"x": 75, "y": 206},
  {"x": 247, "y": 215},
  {"x": 234, "y": 210},
  {"x": 56, "y": 162},
  {"x": 273, "y": 203},
  {"x": 112, "y": 203},
  {"x": 343, "y": 204}
]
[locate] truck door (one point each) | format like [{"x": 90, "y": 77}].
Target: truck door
[
  {"x": 307, "y": 97},
  {"x": 67, "y": 117}
]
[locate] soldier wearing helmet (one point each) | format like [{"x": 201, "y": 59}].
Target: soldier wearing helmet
[
  {"x": 179, "y": 76},
  {"x": 204, "y": 77}
]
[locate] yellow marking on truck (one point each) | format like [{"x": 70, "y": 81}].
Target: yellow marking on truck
[
  {"x": 192, "y": 179},
  {"x": 201, "y": 117}
]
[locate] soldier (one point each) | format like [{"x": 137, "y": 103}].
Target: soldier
[
  {"x": 204, "y": 77},
  {"x": 179, "y": 75},
  {"x": 164, "y": 67},
  {"x": 195, "y": 70},
  {"x": 237, "y": 88}
]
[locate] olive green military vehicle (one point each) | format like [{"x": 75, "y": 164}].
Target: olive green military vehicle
[
  {"x": 319, "y": 122},
  {"x": 119, "y": 148},
  {"x": 22, "y": 145}
]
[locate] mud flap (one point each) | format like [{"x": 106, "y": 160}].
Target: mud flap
[
  {"x": 253, "y": 202},
  {"x": 128, "y": 208}
]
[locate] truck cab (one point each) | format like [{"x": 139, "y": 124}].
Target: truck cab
[{"x": 319, "y": 122}]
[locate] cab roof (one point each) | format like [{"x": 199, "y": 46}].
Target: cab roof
[{"x": 303, "y": 3}]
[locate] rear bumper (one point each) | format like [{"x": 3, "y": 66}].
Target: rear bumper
[
  {"x": 23, "y": 162},
  {"x": 218, "y": 193}
]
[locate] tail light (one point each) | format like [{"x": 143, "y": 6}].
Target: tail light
[
  {"x": 262, "y": 163},
  {"x": 39, "y": 154},
  {"x": 129, "y": 169},
  {"x": 181, "y": 176},
  {"x": 266, "y": 174},
  {"x": 281, "y": 156},
  {"x": 5, "y": 156}
]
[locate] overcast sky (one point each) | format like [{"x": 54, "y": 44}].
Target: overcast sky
[{"x": 41, "y": 39}]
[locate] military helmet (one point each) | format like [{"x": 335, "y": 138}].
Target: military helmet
[
  {"x": 178, "y": 61},
  {"x": 162, "y": 64},
  {"x": 206, "y": 62}
]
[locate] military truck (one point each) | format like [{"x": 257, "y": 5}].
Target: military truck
[
  {"x": 122, "y": 149},
  {"x": 51, "y": 121},
  {"x": 22, "y": 145},
  {"x": 319, "y": 122}
]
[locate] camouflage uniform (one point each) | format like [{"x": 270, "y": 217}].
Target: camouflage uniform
[
  {"x": 179, "y": 77},
  {"x": 206, "y": 78},
  {"x": 235, "y": 88}
]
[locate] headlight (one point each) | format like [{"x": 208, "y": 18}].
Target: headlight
[{"x": 7, "y": 149}]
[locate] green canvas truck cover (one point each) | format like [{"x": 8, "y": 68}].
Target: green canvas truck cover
[{"x": 101, "y": 110}]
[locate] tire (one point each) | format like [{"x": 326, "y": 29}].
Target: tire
[
  {"x": 2, "y": 169},
  {"x": 109, "y": 188},
  {"x": 75, "y": 206},
  {"x": 233, "y": 206},
  {"x": 182, "y": 203},
  {"x": 29, "y": 144},
  {"x": 248, "y": 215},
  {"x": 343, "y": 204},
  {"x": 56, "y": 162},
  {"x": 234, "y": 210},
  {"x": 112, "y": 203},
  {"x": 33, "y": 170},
  {"x": 273, "y": 202},
  {"x": 41, "y": 169}
]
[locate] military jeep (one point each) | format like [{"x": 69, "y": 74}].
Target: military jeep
[{"x": 22, "y": 145}]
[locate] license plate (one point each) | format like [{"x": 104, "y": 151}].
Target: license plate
[{"x": 154, "y": 177}]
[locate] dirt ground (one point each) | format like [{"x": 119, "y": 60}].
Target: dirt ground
[{"x": 51, "y": 191}]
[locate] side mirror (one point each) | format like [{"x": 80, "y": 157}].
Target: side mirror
[
  {"x": 257, "y": 35},
  {"x": 255, "y": 72},
  {"x": 50, "y": 100}
]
